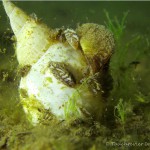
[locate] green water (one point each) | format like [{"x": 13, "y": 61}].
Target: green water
[
  {"x": 57, "y": 14},
  {"x": 127, "y": 117}
]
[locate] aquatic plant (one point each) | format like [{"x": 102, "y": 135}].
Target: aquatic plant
[
  {"x": 115, "y": 25},
  {"x": 141, "y": 98},
  {"x": 120, "y": 112},
  {"x": 71, "y": 109},
  {"x": 122, "y": 63}
]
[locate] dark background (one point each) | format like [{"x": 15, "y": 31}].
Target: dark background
[{"x": 69, "y": 13}]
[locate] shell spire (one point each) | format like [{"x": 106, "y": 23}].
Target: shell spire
[
  {"x": 17, "y": 16},
  {"x": 32, "y": 36}
]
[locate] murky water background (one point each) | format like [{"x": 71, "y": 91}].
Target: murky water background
[{"x": 129, "y": 67}]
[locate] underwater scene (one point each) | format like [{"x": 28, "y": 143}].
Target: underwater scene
[{"x": 74, "y": 75}]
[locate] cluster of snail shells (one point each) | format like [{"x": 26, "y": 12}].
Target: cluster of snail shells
[{"x": 59, "y": 67}]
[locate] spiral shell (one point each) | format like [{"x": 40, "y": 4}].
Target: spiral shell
[
  {"x": 29, "y": 35},
  {"x": 56, "y": 64}
]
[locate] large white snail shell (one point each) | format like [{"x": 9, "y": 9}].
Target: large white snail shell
[
  {"x": 40, "y": 90},
  {"x": 49, "y": 91}
]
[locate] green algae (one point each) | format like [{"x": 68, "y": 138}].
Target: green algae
[
  {"x": 70, "y": 107},
  {"x": 49, "y": 80}
]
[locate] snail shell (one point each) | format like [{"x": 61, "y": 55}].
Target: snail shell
[
  {"x": 55, "y": 80},
  {"x": 29, "y": 35}
]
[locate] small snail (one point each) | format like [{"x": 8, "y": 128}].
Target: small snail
[{"x": 61, "y": 64}]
